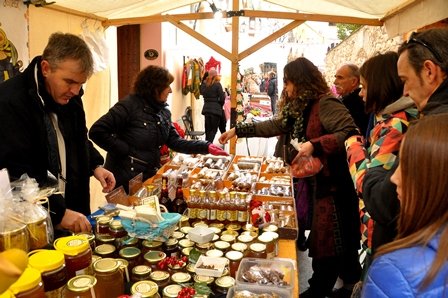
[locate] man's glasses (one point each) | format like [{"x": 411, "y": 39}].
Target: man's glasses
[{"x": 413, "y": 39}]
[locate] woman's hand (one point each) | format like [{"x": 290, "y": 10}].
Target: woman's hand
[
  {"x": 306, "y": 149},
  {"x": 227, "y": 136}
]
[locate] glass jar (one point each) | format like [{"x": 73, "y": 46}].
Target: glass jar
[
  {"x": 203, "y": 247},
  {"x": 153, "y": 257},
  {"x": 127, "y": 241},
  {"x": 215, "y": 253},
  {"x": 104, "y": 239},
  {"x": 124, "y": 268},
  {"x": 14, "y": 235},
  {"x": 186, "y": 251},
  {"x": 116, "y": 229},
  {"x": 274, "y": 236},
  {"x": 102, "y": 224},
  {"x": 183, "y": 222},
  {"x": 110, "y": 281},
  {"x": 208, "y": 280},
  {"x": 180, "y": 277},
  {"x": 38, "y": 231},
  {"x": 94, "y": 259},
  {"x": 246, "y": 239},
  {"x": 234, "y": 261},
  {"x": 171, "y": 247},
  {"x": 178, "y": 235},
  {"x": 132, "y": 255},
  {"x": 77, "y": 254},
  {"x": 148, "y": 245},
  {"x": 161, "y": 278},
  {"x": 29, "y": 285},
  {"x": 81, "y": 286},
  {"x": 233, "y": 227},
  {"x": 105, "y": 250},
  {"x": 223, "y": 284},
  {"x": 145, "y": 289},
  {"x": 222, "y": 245},
  {"x": 241, "y": 247},
  {"x": 140, "y": 272},
  {"x": 257, "y": 250},
  {"x": 171, "y": 291},
  {"x": 185, "y": 230},
  {"x": 90, "y": 237},
  {"x": 51, "y": 265},
  {"x": 269, "y": 242},
  {"x": 218, "y": 225},
  {"x": 228, "y": 238},
  {"x": 183, "y": 243},
  {"x": 190, "y": 269}
]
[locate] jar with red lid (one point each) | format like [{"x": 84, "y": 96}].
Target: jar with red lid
[
  {"x": 81, "y": 286},
  {"x": 234, "y": 261},
  {"x": 132, "y": 255},
  {"x": 105, "y": 251},
  {"x": 51, "y": 265},
  {"x": 77, "y": 254},
  {"x": 116, "y": 229},
  {"x": 110, "y": 281},
  {"x": 29, "y": 285},
  {"x": 257, "y": 250},
  {"x": 102, "y": 224}
]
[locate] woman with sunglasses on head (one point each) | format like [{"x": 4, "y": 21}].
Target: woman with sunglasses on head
[
  {"x": 321, "y": 123},
  {"x": 416, "y": 263}
]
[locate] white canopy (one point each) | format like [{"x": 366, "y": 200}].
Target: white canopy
[{"x": 399, "y": 16}]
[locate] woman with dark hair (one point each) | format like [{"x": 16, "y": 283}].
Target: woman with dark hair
[
  {"x": 321, "y": 123},
  {"x": 382, "y": 90},
  {"x": 416, "y": 263},
  {"x": 136, "y": 127}
]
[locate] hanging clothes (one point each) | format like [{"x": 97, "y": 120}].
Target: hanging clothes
[{"x": 192, "y": 73}]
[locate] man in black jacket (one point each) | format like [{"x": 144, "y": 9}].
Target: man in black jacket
[
  {"x": 347, "y": 85},
  {"x": 44, "y": 133}
]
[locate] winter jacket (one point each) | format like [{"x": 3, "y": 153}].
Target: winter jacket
[
  {"x": 335, "y": 220},
  {"x": 132, "y": 133},
  {"x": 390, "y": 125},
  {"x": 400, "y": 273},
  {"x": 24, "y": 143},
  {"x": 214, "y": 98},
  {"x": 438, "y": 101}
]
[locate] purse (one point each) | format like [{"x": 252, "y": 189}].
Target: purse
[{"x": 305, "y": 166}]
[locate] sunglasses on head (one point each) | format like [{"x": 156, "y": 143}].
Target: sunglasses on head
[{"x": 414, "y": 40}]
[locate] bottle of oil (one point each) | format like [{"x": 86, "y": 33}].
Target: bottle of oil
[{"x": 192, "y": 205}]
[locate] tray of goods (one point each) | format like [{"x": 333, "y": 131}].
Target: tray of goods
[
  {"x": 252, "y": 159},
  {"x": 214, "y": 162},
  {"x": 241, "y": 181},
  {"x": 253, "y": 167},
  {"x": 206, "y": 173},
  {"x": 280, "y": 179},
  {"x": 188, "y": 160},
  {"x": 273, "y": 189},
  {"x": 274, "y": 165}
]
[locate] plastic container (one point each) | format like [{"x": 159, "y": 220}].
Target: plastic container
[
  {"x": 29, "y": 285},
  {"x": 275, "y": 292},
  {"x": 210, "y": 266},
  {"x": 201, "y": 235},
  {"x": 284, "y": 267},
  {"x": 51, "y": 265},
  {"x": 77, "y": 254}
]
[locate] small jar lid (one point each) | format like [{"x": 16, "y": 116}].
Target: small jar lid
[
  {"x": 122, "y": 263},
  {"x": 270, "y": 228},
  {"x": 225, "y": 282},
  {"x": 204, "y": 246},
  {"x": 171, "y": 291},
  {"x": 190, "y": 268},
  {"x": 71, "y": 245},
  {"x": 116, "y": 224},
  {"x": 234, "y": 227},
  {"x": 265, "y": 238},
  {"x": 151, "y": 244},
  {"x": 29, "y": 279},
  {"x": 141, "y": 270},
  {"x": 227, "y": 237},
  {"x": 203, "y": 278},
  {"x": 274, "y": 235},
  {"x": 154, "y": 256},
  {"x": 178, "y": 235},
  {"x": 229, "y": 232},
  {"x": 89, "y": 236},
  {"x": 185, "y": 230},
  {"x": 159, "y": 275},
  {"x": 46, "y": 260},
  {"x": 145, "y": 288},
  {"x": 180, "y": 277},
  {"x": 200, "y": 224},
  {"x": 129, "y": 252},
  {"x": 106, "y": 265},
  {"x": 234, "y": 255},
  {"x": 216, "y": 253},
  {"x": 103, "y": 219},
  {"x": 239, "y": 246},
  {"x": 218, "y": 225},
  {"x": 105, "y": 238},
  {"x": 81, "y": 283},
  {"x": 215, "y": 230},
  {"x": 172, "y": 242},
  {"x": 222, "y": 244},
  {"x": 258, "y": 247},
  {"x": 186, "y": 243},
  {"x": 104, "y": 249},
  {"x": 245, "y": 238},
  {"x": 95, "y": 258},
  {"x": 186, "y": 251}
]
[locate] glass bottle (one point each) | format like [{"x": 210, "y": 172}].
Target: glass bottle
[
  {"x": 192, "y": 206},
  {"x": 81, "y": 286},
  {"x": 212, "y": 205},
  {"x": 29, "y": 285},
  {"x": 77, "y": 254},
  {"x": 51, "y": 265},
  {"x": 110, "y": 281},
  {"x": 202, "y": 212},
  {"x": 242, "y": 208},
  {"x": 179, "y": 204},
  {"x": 232, "y": 211},
  {"x": 164, "y": 194}
]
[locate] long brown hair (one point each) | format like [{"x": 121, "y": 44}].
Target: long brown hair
[{"x": 424, "y": 202}]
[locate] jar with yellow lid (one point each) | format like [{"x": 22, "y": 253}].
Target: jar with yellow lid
[
  {"x": 116, "y": 229},
  {"x": 132, "y": 255},
  {"x": 14, "y": 235},
  {"x": 90, "y": 237},
  {"x": 223, "y": 284},
  {"x": 180, "y": 277},
  {"x": 81, "y": 286},
  {"x": 185, "y": 243},
  {"x": 102, "y": 224},
  {"x": 77, "y": 254},
  {"x": 29, "y": 285},
  {"x": 105, "y": 250},
  {"x": 171, "y": 291},
  {"x": 51, "y": 265},
  {"x": 110, "y": 281},
  {"x": 161, "y": 278},
  {"x": 140, "y": 272},
  {"x": 235, "y": 258},
  {"x": 148, "y": 245},
  {"x": 171, "y": 247},
  {"x": 104, "y": 239},
  {"x": 145, "y": 289},
  {"x": 153, "y": 257}
]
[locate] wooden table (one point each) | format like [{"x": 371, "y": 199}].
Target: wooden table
[{"x": 287, "y": 249}]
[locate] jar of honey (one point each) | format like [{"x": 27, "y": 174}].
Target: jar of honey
[
  {"x": 234, "y": 261},
  {"x": 110, "y": 281},
  {"x": 145, "y": 289},
  {"x": 140, "y": 272},
  {"x": 171, "y": 247},
  {"x": 38, "y": 232},
  {"x": 29, "y": 285},
  {"x": 148, "y": 245},
  {"x": 105, "y": 251},
  {"x": 152, "y": 258},
  {"x": 81, "y": 286},
  {"x": 116, "y": 229},
  {"x": 77, "y": 254},
  {"x": 14, "y": 235},
  {"x": 104, "y": 239},
  {"x": 102, "y": 224},
  {"x": 51, "y": 265},
  {"x": 223, "y": 284},
  {"x": 124, "y": 268},
  {"x": 257, "y": 250},
  {"x": 132, "y": 255},
  {"x": 161, "y": 278},
  {"x": 268, "y": 240},
  {"x": 171, "y": 291}
]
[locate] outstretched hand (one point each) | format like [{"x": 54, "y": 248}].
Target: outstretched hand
[
  {"x": 216, "y": 150},
  {"x": 106, "y": 178},
  {"x": 227, "y": 136}
]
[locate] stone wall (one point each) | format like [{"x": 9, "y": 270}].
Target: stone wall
[{"x": 361, "y": 45}]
